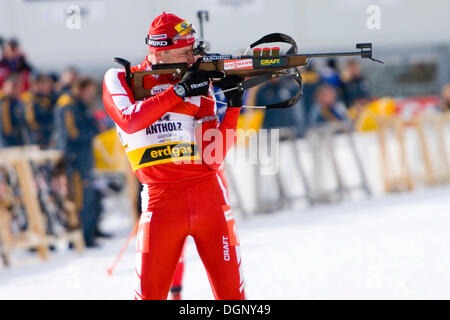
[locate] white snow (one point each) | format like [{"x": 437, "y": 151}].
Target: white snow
[{"x": 386, "y": 247}]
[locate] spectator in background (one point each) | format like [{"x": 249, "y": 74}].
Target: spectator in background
[
  {"x": 54, "y": 78},
  {"x": 356, "y": 88},
  {"x": 62, "y": 88},
  {"x": 445, "y": 98},
  {"x": 330, "y": 73},
  {"x": 12, "y": 118},
  {"x": 39, "y": 111},
  {"x": 311, "y": 80},
  {"x": 104, "y": 122},
  {"x": 3, "y": 71},
  {"x": 66, "y": 80},
  {"x": 327, "y": 107},
  {"x": 275, "y": 91},
  {"x": 14, "y": 61},
  {"x": 76, "y": 129}
]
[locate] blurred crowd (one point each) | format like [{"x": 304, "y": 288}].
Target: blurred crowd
[
  {"x": 331, "y": 92},
  {"x": 55, "y": 112}
]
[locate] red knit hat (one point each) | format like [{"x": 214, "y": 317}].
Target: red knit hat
[{"x": 168, "y": 31}]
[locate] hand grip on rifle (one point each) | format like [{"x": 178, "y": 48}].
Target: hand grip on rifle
[
  {"x": 234, "y": 97},
  {"x": 196, "y": 82}
]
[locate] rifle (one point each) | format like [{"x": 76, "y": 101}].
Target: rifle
[{"x": 258, "y": 68}]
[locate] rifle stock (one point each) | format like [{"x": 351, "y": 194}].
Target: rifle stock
[{"x": 244, "y": 66}]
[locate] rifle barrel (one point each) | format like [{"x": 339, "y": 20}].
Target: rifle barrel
[{"x": 332, "y": 54}]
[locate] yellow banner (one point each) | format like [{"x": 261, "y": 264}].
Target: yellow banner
[{"x": 162, "y": 153}]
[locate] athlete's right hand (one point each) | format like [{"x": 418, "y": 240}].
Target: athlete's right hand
[{"x": 196, "y": 82}]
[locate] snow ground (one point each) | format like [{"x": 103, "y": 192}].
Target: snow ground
[{"x": 386, "y": 247}]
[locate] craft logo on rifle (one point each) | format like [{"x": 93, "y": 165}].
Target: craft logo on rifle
[
  {"x": 237, "y": 64},
  {"x": 271, "y": 62}
]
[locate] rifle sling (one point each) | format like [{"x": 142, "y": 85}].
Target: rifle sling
[
  {"x": 257, "y": 80},
  {"x": 291, "y": 101},
  {"x": 254, "y": 81}
]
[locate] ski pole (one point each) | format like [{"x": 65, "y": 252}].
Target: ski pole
[{"x": 124, "y": 247}]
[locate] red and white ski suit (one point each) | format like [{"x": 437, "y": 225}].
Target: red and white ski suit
[{"x": 178, "y": 199}]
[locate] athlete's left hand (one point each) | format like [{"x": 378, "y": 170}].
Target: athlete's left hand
[{"x": 234, "y": 97}]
